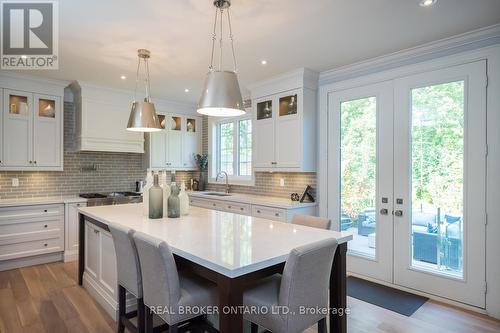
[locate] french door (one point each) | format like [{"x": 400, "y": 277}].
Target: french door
[{"x": 408, "y": 178}]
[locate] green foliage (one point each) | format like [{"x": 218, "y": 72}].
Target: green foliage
[{"x": 201, "y": 161}]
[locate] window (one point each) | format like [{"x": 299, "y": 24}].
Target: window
[{"x": 231, "y": 145}]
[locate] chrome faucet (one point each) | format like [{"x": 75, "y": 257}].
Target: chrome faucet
[{"x": 220, "y": 174}]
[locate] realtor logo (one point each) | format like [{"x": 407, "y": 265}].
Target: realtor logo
[{"x": 29, "y": 35}]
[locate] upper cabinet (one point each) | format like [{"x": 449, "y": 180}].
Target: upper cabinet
[
  {"x": 174, "y": 147},
  {"x": 31, "y": 125},
  {"x": 284, "y": 111},
  {"x": 101, "y": 120}
]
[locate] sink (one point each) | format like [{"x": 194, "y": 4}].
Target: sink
[{"x": 217, "y": 194}]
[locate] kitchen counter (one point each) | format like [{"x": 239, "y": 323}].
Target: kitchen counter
[
  {"x": 41, "y": 201},
  {"x": 261, "y": 200}
]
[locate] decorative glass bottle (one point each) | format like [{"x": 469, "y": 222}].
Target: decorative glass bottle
[
  {"x": 145, "y": 193},
  {"x": 166, "y": 194},
  {"x": 184, "y": 200},
  {"x": 174, "y": 209},
  {"x": 155, "y": 200}
]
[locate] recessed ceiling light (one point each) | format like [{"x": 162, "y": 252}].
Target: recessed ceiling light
[
  {"x": 123, "y": 77},
  {"x": 427, "y": 3},
  {"x": 263, "y": 62},
  {"x": 186, "y": 90},
  {"x": 24, "y": 57}
]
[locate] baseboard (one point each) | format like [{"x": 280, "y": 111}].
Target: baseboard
[
  {"x": 30, "y": 261},
  {"x": 420, "y": 293},
  {"x": 109, "y": 304},
  {"x": 70, "y": 256}
]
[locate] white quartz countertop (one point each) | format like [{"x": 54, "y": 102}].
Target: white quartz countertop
[
  {"x": 228, "y": 243},
  {"x": 40, "y": 201},
  {"x": 255, "y": 200}
]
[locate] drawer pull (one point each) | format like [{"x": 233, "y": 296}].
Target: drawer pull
[
  {"x": 45, "y": 226},
  {"x": 241, "y": 208},
  {"x": 258, "y": 211},
  {"x": 45, "y": 244},
  {"x": 214, "y": 205},
  {"x": 45, "y": 211},
  {"x": 229, "y": 207},
  {"x": 277, "y": 214}
]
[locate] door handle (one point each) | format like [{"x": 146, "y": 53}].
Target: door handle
[
  {"x": 398, "y": 213},
  {"x": 384, "y": 211}
]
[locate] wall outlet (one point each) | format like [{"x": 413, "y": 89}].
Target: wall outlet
[
  {"x": 282, "y": 182},
  {"x": 15, "y": 182}
]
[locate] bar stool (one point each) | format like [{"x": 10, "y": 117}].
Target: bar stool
[
  {"x": 164, "y": 288},
  {"x": 311, "y": 221},
  {"x": 129, "y": 278},
  {"x": 304, "y": 283}
]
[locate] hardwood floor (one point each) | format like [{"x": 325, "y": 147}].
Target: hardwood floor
[{"x": 46, "y": 298}]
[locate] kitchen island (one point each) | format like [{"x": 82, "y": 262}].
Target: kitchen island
[{"x": 226, "y": 248}]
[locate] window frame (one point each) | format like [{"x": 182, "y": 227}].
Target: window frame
[{"x": 214, "y": 150}]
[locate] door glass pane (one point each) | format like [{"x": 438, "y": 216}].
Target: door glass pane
[
  {"x": 191, "y": 125},
  {"x": 46, "y": 108},
  {"x": 288, "y": 105},
  {"x": 437, "y": 177},
  {"x": 161, "y": 118},
  {"x": 175, "y": 123},
  {"x": 264, "y": 110},
  {"x": 245, "y": 147},
  {"x": 18, "y": 105},
  {"x": 358, "y": 142},
  {"x": 226, "y": 135}
]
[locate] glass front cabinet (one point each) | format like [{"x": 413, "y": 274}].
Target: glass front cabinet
[
  {"x": 283, "y": 131},
  {"x": 174, "y": 147},
  {"x": 31, "y": 131}
]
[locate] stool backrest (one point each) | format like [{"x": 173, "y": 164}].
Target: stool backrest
[
  {"x": 311, "y": 221},
  {"x": 160, "y": 277},
  {"x": 127, "y": 260}
]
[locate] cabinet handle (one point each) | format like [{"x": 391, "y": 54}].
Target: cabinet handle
[
  {"x": 276, "y": 214},
  {"x": 31, "y": 162},
  {"x": 34, "y": 162},
  {"x": 45, "y": 226},
  {"x": 45, "y": 211},
  {"x": 45, "y": 244},
  {"x": 214, "y": 205},
  {"x": 229, "y": 207},
  {"x": 241, "y": 208},
  {"x": 258, "y": 211}
]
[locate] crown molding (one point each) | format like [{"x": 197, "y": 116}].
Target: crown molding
[
  {"x": 464, "y": 42},
  {"x": 35, "y": 79}
]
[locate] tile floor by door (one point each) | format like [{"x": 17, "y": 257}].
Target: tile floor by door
[{"x": 46, "y": 298}]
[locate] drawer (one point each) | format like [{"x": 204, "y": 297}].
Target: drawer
[
  {"x": 217, "y": 205},
  {"x": 30, "y": 248},
  {"x": 30, "y": 213},
  {"x": 238, "y": 208},
  {"x": 269, "y": 213},
  {"x": 14, "y": 228}
]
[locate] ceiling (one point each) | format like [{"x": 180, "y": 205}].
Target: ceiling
[{"x": 98, "y": 39}]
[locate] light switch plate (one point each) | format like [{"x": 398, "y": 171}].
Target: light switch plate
[
  {"x": 282, "y": 182},
  {"x": 15, "y": 182}
]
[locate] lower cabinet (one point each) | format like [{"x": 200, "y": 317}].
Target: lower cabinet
[
  {"x": 29, "y": 231},
  {"x": 262, "y": 211},
  {"x": 71, "y": 230},
  {"x": 100, "y": 267}
]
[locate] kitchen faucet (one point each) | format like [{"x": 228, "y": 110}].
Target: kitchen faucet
[{"x": 223, "y": 173}]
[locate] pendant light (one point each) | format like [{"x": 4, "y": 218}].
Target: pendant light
[
  {"x": 143, "y": 117},
  {"x": 221, "y": 95}
]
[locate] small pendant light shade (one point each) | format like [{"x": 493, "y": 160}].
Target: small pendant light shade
[
  {"x": 221, "y": 96},
  {"x": 143, "y": 118}
]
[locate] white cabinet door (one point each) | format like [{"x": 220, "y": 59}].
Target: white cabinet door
[
  {"x": 47, "y": 135},
  {"x": 263, "y": 137},
  {"x": 71, "y": 229},
  {"x": 288, "y": 132},
  {"x": 191, "y": 142},
  {"x": 174, "y": 143},
  {"x": 17, "y": 128},
  {"x": 107, "y": 259},
  {"x": 92, "y": 250},
  {"x": 158, "y": 150}
]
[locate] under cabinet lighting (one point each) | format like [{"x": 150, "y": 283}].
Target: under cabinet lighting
[{"x": 427, "y": 3}]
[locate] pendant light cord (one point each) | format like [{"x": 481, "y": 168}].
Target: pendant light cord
[
  {"x": 137, "y": 79},
  {"x": 214, "y": 38},
  {"x": 148, "y": 81}
]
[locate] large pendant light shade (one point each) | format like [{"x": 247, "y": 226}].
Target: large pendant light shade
[
  {"x": 221, "y": 96},
  {"x": 143, "y": 117}
]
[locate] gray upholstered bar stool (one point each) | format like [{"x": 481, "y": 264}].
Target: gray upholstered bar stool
[
  {"x": 164, "y": 288},
  {"x": 311, "y": 221},
  {"x": 304, "y": 283},
  {"x": 129, "y": 278}
]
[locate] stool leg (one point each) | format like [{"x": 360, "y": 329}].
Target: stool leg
[
  {"x": 322, "y": 326},
  {"x": 254, "y": 328},
  {"x": 148, "y": 319},
  {"x": 121, "y": 309},
  {"x": 141, "y": 323}
]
